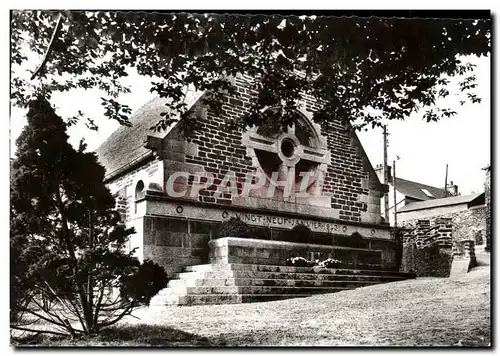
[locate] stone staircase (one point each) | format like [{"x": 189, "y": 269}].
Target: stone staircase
[{"x": 224, "y": 283}]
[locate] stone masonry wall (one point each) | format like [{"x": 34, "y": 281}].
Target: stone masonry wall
[
  {"x": 487, "y": 197},
  {"x": 430, "y": 249},
  {"x": 354, "y": 193},
  {"x": 174, "y": 243},
  {"x": 124, "y": 188},
  {"x": 427, "y": 249},
  {"x": 466, "y": 224}
]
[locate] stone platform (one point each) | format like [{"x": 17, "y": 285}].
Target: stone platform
[
  {"x": 240, "y": 283},
  {"x": 248, "y": 270}
]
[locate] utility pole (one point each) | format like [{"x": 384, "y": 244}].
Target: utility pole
[
  {"x": 385, "y": 174},
  {"x": 394, "y": 186},
  {"x": 446, "y": 182}
]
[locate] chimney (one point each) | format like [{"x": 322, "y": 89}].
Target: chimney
[
  {"x": 452, "y": 189},
  {"x": 379, "y": 169}
]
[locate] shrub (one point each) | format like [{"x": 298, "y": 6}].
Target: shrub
[
  {"x": 260, "y": 232},
  {"x": 300, "y": 233},
  {"x": 233, "y": 227},
  {"x": 70, "y": 264},
  {"x": 355, "y": 240},
  {"x": 397, "y": 235}
]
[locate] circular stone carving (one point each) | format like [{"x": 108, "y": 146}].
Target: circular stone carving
[
  {"x": 344, "y": 228},
  {"x": 224, "y": 214},
  {"x": 372, "y": 232},
  {"x": 287, "y": 147},
  {"x": 293, "y": 150},
  {"x": 179, "y": 209}
]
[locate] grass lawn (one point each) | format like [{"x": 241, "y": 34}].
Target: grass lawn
[{"x": 421, "y": 312}]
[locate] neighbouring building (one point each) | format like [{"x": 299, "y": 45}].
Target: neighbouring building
[
  {"x": 408, "y": 192},
  {"x": 467, "y": 213},
  {"x": 174, "y": 228}
]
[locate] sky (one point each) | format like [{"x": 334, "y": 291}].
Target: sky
[
  {"x": 424, "y": 149},
  {"x": 462, "y": 141}
]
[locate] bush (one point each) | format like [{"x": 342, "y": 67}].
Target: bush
[
  {"x": 233, "y": 227},
  {"x": 300, "y": 233},
  {"x": 260, "y": 232},
  {"x": 355, "y": 240},
  {"x": 69, "y": 263},
  {"x": 397, "y": 235}
]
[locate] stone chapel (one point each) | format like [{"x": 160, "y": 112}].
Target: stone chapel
[{"x": 175, "y": 231}]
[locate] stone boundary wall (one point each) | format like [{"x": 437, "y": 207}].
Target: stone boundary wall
[
  {"x": 466, "y": 224},
  {"x": 487, "y": 197},
  {"x": 430, "y": 249},
  {"x": 427, "y": 248},
  {"x": 464, "y": 257}
]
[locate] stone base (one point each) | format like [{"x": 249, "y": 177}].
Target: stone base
[
  {"x": 248, "y": 270},
  {"x": 253, "y": 251}
]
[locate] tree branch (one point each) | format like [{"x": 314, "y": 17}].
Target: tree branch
[
  {"x": 49, "y": 48},
  {"x": 37, "y": 331}
]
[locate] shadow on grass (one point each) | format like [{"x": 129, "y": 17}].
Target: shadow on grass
[{"x": 140, "y": 335}]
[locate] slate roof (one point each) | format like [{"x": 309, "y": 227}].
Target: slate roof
[
  {"x": 433, "y": 203},
  {"x": 125, "y": 146},
  {"x": 414, "y": 190}
]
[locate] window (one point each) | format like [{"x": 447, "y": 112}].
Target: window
[
  {"x": 427, "y": 192},
  {"x": 139, "y": 188}
]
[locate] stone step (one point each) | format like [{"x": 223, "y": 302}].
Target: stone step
[
  {"x": 208, "y": 282},
  {"x": 201, "y": 268},
  {"x": 206, "y": 275},
  {"x": 260, "y": 289},
  {"x": 299, "y": 283},
  {"x": 312, "y": 280},
  {"x": 182, "y": 290},
  {"x": 217, "y": 268},
  {"x": 232, "y": 299},
  {"x": 194, "y": 299},
  {"x": 313, "y": 276},
  {"x": 249, "y": 298},
  {"x": 275, "y": 268},
  {"x": 237, "y": 283}
]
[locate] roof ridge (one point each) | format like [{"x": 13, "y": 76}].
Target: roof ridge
[
  {"x": 427, "y": 185},
  {"x": 431, "y": 203}
]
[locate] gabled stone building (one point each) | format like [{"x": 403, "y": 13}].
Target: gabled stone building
[{"x": 175, "y": 224}]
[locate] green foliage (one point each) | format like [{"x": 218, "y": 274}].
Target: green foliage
[
  {"x": 392, "y": 66},
  {"x": 300, "y": 233},
  {"x": 260, "y": 232},
  {"x": 233, "y": 227},
  {"x": 68, "y": 260},
  {"x": 397, "y": 234},
  {"x": 354, "y": 240}
]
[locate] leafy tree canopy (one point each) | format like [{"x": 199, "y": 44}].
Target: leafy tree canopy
[{"x": 366, "y": 69}]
